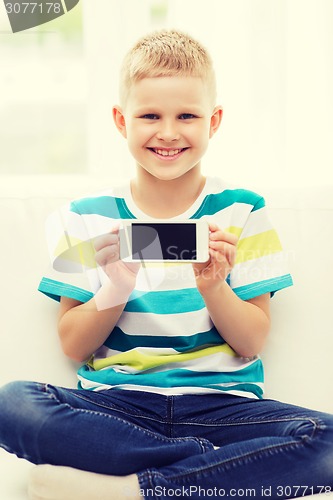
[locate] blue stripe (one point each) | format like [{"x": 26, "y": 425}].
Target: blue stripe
[
  {"x": 165, "y": 302},
  {"x": 116, "y": 208},
  {"x": 214, "y": 203},
  {"x": 176, "y": 378},
  {"x": 55, "y": 289},
  {"x": 271, "y": 285},
  {"x": 120, "y": 341},
  {"x": 255, "y": 389},
  {"x": 107, "y": 206}
]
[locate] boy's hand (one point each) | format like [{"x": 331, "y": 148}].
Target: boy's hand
[
  {"x": 222, "y": 251},
  {"x": 122, "y": 275}
]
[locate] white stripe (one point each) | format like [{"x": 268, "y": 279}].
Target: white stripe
[
  {"x": 87, "y": 280},
  {"x": 153, "y": 277},
  {"x": 216, "y": 363},
  {"x": 87, "y": 384},
  {"x": 160, "y": 277},
  {"x": 257, "y": 223},
  {"x": 104, "y": 352},
  {"x": 256, "y": 270},
  {"x": 63, "y": 225},
  {"x": 98, "y": 225},
  {"x": 165, "y": 325},
  {"x": 233, "y": 215}
]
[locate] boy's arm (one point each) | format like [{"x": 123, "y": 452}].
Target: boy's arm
[
  {"x": 244, "y": 325},
  {"x": 83, "y": 327}
]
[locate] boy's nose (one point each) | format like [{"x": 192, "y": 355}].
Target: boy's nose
[{"x": 167, "y": 133}]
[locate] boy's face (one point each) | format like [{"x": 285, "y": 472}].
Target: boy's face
[{"x": 168, "y": 122}]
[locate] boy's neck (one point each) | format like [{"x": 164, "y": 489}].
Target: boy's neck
[{"x": 165, "y": 199}]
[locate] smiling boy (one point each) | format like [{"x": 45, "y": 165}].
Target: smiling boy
[
  {"x": 168, "y": 123},
  {"x": 171, "y": 390}
]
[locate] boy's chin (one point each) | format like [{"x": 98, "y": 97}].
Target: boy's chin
[
  {"x": 166, "y": 175},
  {"x": 168, "y": 171}
]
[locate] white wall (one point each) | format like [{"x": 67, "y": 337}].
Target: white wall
[{"x": 274, "y": 65}]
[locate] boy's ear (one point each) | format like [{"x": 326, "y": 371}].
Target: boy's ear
[
  {"x": 119, "y": 120},
  {"x": 215, "y": 120}
]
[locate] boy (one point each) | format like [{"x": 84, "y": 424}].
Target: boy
[{"x": 170, "y": 399}]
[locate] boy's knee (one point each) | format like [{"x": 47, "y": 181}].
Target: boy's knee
[
  {"x": 18, "y": 402},
  {"x": 14, "y": 393},
  {"x": 21, "y": 417}
]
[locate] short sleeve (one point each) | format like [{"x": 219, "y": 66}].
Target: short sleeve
[
  {"x": 72, "y": 271},
  {"x": 261, "y": 265}
]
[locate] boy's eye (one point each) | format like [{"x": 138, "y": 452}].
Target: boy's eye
[
  {"x": 150, "y": 116},
  {"x": 186, "y": 116}
]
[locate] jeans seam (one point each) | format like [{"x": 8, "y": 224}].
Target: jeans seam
[
  {"x": 115, "y": 408},
  {"x": 43, "y": 388},
  {"x": 214, "y": 423},
  {"x": 262, "y": 451},
  {"x": 131, "y": 425},
  {"x": 170, "y": 415}
]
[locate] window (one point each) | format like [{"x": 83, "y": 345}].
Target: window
[
  {"x": 43, "y": 89},
  {"x": 58, "y": 83}
]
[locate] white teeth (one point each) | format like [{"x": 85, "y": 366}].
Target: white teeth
[{"x": 165, "y": 152}]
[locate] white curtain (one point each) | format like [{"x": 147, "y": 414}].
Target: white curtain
[{"x": 274, "y": 65}]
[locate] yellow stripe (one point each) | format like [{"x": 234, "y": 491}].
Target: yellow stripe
[
  {"x": 249, "y": 248},
  {"x": 140, "y": 361},
  {"x": 259, "y": 245},
  {"x": 76, "y": 250},
  {"x": 237, "y": 231}
]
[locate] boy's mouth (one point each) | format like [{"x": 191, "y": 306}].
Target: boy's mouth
[{"x": 167, "y": 153}]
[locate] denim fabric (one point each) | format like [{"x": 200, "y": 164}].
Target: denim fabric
[{"x": 191, "y": 446}]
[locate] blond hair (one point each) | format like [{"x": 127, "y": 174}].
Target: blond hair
[{"x": 166, "y": 53}]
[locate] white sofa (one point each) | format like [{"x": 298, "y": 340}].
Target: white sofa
[{"x": 298, "y": 356}]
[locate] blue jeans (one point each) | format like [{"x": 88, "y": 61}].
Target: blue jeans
[{"x": 265, "y": 448}]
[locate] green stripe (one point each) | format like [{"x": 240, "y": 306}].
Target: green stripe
[
  {"x": 176, "y": 378},
  {"x": 165, "y": 302},
  {"x": 107, "y": 206},
  {"x": 143, "y": 362},
  {"x": 120, "y": 341},
  {"x": 55, "y": 289},
  {"x": 214, "y": 203}
]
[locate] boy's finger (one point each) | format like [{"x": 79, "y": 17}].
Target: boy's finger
[
  {"x": 107, "y": 255},
  {"x": 213, "y": 227},
  {"x": 224, "y": 236},
  {"x": 105, "y": 240},
  {"x": 115, "y": 229}
]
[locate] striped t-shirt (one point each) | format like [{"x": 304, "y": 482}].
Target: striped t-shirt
[{"x": 165, "y": 341}]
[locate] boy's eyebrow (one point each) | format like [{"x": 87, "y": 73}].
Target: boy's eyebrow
[
  {"x": 146, "y": 109},
  {"x": 187, "y": 108}
]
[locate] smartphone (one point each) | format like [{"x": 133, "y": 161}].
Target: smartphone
[{"x": 164, "y": 241}]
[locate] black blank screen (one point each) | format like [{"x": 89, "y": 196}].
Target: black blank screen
[{"x": 164, "y": 241}]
